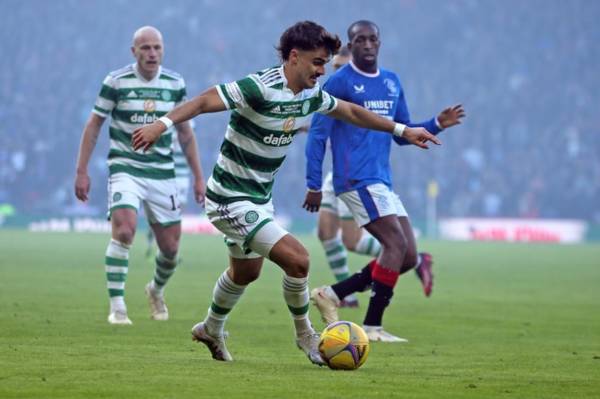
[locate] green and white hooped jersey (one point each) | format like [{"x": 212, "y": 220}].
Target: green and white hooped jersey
[
  {"x": 264, "y": 119},
  {"x": 182, "y": 169},
  {"x": 132, "y": 102}
]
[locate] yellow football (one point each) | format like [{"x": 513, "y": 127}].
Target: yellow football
[{"x": 344, "y": 345}]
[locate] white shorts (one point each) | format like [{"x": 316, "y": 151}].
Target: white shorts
[
  {"x": 331, "y": 203},
  {"x": 183, "y": 187},
  {"x": 250, "y": 230},
  {"x": 372, "y": 202},
  {"x": 159, "y": 197}
]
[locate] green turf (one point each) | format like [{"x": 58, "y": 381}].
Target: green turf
[{"x": 507, "y": 321}]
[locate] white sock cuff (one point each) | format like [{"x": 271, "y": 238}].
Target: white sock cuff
[
  {"x": 161, "y": 258},
  {"x": 332, "y": 243},
  {"x": 296, "y": 280},
  {"x": 230, "y": 282},
  {"x": 118, "y": 249},
  {"x": 120, "y": 244}
]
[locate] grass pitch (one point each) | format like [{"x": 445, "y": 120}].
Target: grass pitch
[{"x": 506, "y": 321}]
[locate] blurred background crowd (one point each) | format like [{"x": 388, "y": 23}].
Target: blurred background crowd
[{"x": 527, "y": 72}]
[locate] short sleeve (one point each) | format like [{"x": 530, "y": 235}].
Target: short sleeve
[
  {"x": 328, "y": 102},
  {"x": 242, "y": 93},
  {"x": 107, "y": 98},
  {"x": 332, "y": 89}
]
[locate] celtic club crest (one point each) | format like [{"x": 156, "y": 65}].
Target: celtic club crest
[{"x": 251, "y": 217}]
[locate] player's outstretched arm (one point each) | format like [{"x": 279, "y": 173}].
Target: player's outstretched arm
[
  {"x": 362, "y": 117},
  {"x": 449, "y": 117},
  {"x": 207, "y": 102},
  {"x": 86, "y": 147}
]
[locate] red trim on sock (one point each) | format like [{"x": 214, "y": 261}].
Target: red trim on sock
[
  {"x": 384, "y": 275},
  {"x": 372, "y": 264}
]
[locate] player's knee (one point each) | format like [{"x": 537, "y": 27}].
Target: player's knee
[
  {"x": 395, "y": 244},
  {"x": 322, "y": 236},
  {"x": 170, "y": 247},
  {"x": 394, "y": 251},
  {"x": 247, "y": 277},
  {"x": 349, "y": 243},
  {"x": 125, "y": 234},
  {"x": 251, "y": 276},
  {"x": 326, "y": 234},
  {"x": 297, "y": 265},
  {"x": 170, "y": 252},
  {"x": 402, "y": 245}
]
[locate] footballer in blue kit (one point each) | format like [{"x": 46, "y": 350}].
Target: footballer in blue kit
[
  {"x": 362, "y": 178},
  {"x": 357, "y": 156}
]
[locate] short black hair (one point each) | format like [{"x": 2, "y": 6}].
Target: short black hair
[
  {"x": 362, "y": 22},
  {"x": 307, "y": 36}
]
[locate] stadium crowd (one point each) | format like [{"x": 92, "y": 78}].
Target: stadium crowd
[{"x": 527, "y": 73}]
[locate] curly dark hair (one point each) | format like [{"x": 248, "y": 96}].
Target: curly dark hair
[{"x": 307, "y": 36}]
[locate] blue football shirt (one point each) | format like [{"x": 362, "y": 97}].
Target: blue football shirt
[{"x": 361, "y": 157}]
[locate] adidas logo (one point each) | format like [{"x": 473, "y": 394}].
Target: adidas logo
[
  {"x": 132, "y": 94},
  {"x": 276, "y": 110}
]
